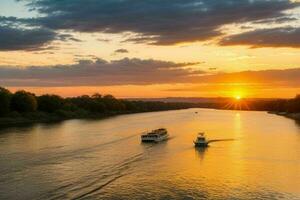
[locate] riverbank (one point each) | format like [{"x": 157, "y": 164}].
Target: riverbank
[
  {"x": 23, "y": 107},
  {"x": 295, "y": 116},
  {"x": 42, "y": 117},
  {"x": 17, "y": 119}
]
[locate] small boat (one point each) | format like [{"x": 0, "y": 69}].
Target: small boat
[
  {"x": 201, "y": 141},
  {"x": 156, "y": 135}
]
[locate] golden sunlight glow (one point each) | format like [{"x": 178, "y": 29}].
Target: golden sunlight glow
[
  {"x": 239, "y": 93},
  {"x": 238, "y": 97},
  {"x": 237, "y": 102}
]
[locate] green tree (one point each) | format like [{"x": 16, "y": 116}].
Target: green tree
[
  {"x": 96, "y": 96},
  {"x": 5, "y": 97},
  {"x": 50, "y": 103},
  {"x": 23, "y": 101},
  {"x": 113, "y": 104}
]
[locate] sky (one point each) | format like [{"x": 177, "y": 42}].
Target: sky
[{"x": 151, "y": 48}]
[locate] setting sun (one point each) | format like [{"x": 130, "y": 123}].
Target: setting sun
[
  {"x": 238, "y": 97},
  {"x": 239, "y": 93}
]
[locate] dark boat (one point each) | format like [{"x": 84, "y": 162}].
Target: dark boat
[{"x": 201, "y": 141}]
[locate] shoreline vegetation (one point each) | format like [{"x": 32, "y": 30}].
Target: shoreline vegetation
[
  {"x": 295, "y": 116},
  {"x": 22, "y": 107}
]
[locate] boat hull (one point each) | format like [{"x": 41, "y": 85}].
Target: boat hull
[
  {"x": 201, "y": 144},
  {"x": 152, "y": 140}
]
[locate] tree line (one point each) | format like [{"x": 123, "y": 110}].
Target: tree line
[
  {"x": 279, "y": 105},
  {"x": 22, "y": 102},
  {"x": 272, "y": 105}
]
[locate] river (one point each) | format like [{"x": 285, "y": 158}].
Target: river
[{"x": 104, "y": 159}]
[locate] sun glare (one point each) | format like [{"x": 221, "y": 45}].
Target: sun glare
[
  {"x": 237, "y": 101},
  {"x": 238, "y": 97},
  {"x": 238, "y": 94}
]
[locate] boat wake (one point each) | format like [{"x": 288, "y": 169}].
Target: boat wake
[
  {"x": 97, "y": 179},
  {"x": 219, "y": 140}
]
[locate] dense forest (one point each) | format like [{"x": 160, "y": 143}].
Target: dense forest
[{"x": 24, "y": 106}]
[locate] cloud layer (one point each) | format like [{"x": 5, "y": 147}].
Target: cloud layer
[
  {"x": 152, "y": 21},
  {"x": 137, "y": 72},
  {"x": 20, "y": 34},
  {"x": 276, "y": 37},
  {"x": 24, "y": 39},
  {"x": 160, "y": 22},
  {"x": 100, "y": 72}
]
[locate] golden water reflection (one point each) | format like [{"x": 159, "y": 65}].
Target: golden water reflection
[{"x": 104, "y": 159}]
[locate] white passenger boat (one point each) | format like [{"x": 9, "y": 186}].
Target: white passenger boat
[
  {"x": 157, "y": 135},
  {"x": 201, "y": 141}
]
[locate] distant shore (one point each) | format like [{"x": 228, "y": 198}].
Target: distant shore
[{"x": 295, "y": 116}]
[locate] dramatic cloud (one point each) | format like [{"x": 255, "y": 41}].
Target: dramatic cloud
[
  {"x": 100, "y": 72},
  {"x": 22, "y": 34},
  {"x": 138, "y": 72},
  {"x": 159, "y": 22},
  {"x": 24, "y": 39},
  {"x": 276, "y": 37}
]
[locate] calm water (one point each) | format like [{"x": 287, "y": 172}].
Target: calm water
[{"x": 104, "y": 159}]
